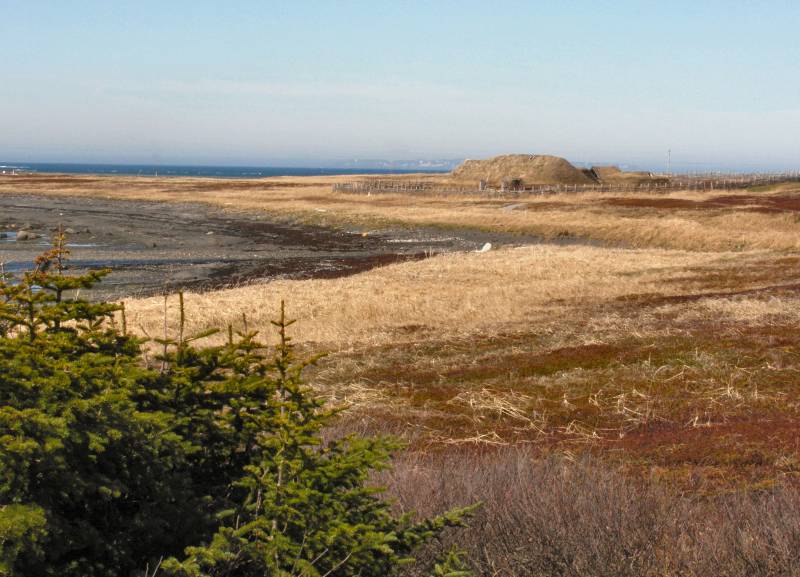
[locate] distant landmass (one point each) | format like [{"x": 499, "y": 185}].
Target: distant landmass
[{"x": 413, "y": 165}]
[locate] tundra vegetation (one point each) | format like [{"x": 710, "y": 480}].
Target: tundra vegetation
[
  {"x": 197, "y": 461},
  {"x": 625, "y": 406}
]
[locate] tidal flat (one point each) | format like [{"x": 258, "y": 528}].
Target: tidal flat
[{"x": 160, "y": 247}]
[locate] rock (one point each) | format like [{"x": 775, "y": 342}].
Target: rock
[
  {"x": 26, "y": 235},
  {"x": 209, "y": 233},
  {"x": 69, "y": 230},
  {"x": 485, "y": 248}
]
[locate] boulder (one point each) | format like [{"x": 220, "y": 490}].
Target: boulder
[{"x": 26, "y": 235}]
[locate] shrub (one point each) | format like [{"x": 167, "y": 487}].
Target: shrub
[
  {"x": 210, "y": 457},
  {"x": 554, "y": 517},
  {"x": 75, "y": 449}
]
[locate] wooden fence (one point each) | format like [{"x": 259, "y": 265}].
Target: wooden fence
[{"x": 659, "y": 184}]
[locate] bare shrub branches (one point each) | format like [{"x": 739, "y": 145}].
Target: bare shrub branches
[{"x": 580, "y": 519}]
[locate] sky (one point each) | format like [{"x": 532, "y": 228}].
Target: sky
[{"x": 305, "y": 82}]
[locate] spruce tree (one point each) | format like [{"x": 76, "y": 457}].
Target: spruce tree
[
  {"x": 207, "y": 461},
  {"x": 451, "y": 565},
  {"x": 304, "y": 507},
  {"x": 86, "y": 483}
]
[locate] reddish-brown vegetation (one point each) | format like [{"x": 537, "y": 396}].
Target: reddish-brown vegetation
[
  {"x": 561, "y": 517},
  {"x": 755, "y": 203}
]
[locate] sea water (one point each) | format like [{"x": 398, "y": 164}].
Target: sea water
[{"x": 207, "y": 171}]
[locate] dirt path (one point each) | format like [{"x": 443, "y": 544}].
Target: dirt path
[{"x": 159, "y": 246}]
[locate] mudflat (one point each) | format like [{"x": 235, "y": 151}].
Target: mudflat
[{"x": 155, "y": 247}]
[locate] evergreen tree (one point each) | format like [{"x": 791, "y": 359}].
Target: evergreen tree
[
  {"x": 211, "y": 457},
  {"x": 304, "y": 508},
  {"x": 86, "y": 483},
  {"x": 452, "y": 565}
]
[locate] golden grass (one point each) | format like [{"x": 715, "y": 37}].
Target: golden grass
[
  {"x": 587, "y": 215},
  {"x": 743, "y": 310},
  {"x": 447, "y": 295}
]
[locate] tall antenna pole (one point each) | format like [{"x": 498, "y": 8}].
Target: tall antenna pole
[{"x": 669, "y": 162}]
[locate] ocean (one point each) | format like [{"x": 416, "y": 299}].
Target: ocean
[{"x": 207, "y": 171}]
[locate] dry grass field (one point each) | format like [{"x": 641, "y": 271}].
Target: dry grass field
[
  {"x": 667, "y": 343},
  {"x": 696, "y": 221},
  {"x": 681, "y": 365}
]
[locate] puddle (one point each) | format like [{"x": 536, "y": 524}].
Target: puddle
[
  {"x": 16, "y": 267},
  {"x": 11, "y": 236},
  {"x": 421, "y": 240}
]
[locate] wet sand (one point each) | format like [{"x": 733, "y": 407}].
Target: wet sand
[{"x": 155, "y": 247}]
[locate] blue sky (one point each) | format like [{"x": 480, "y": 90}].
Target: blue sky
[{"x": 258, "y": 82}]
